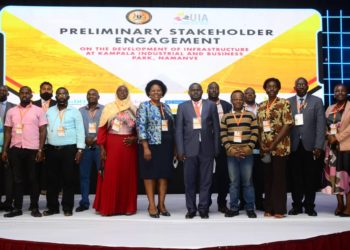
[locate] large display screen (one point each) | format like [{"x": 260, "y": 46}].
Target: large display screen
[{"x": 102, "y": 47}]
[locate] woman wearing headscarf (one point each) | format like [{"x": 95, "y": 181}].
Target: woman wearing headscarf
[{"x": 116, "y": 191}]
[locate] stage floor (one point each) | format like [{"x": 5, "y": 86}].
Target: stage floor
[{"x": 140, "y": 230}]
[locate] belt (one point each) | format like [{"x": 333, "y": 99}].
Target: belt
[{"x": 72, "y": 146}]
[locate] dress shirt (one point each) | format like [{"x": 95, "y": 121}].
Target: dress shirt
[
  {"x": 31, "y": 118},
  {"x": 88, "y": 118},
  {"x": 72, "y": 123}
]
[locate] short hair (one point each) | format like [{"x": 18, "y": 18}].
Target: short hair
[
  {"x": 25, "y": 87},
  {"x": 195, "y": 83},
  {"x": 301, "y": 78},
  {"x": 249, "y": 88},
  {"x": 46, "y": 83},
  {"x": 237, "y": 91},
  {"x": 272, "y": 79},
  {"x": 341, "y": 85},
  {"x": 63, "y": 89},
  {"x": 156, "y": 82}
]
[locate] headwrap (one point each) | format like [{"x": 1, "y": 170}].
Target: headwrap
[{"x": 113, "y": 108}]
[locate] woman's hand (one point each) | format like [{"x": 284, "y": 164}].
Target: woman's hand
[
  {"x": 147, "y": 154},
  {"x": 103, "y": 154},
  {"x": 128, "y": 141}
]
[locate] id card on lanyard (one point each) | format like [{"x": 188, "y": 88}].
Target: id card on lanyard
[
  {"x": 165, "y": 126},
  {"x": 237, "y": 136},
  {"x": 266, "y": 123},
  {"x": 19, "y": 126},
  {"x": 60, "y": 130}
]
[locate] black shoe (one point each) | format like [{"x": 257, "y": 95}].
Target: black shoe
[
  {"x": 251, "y": 214},
  {"x": 164, "y": 213},
  {"x": 35, "y": 213},
  {"x": 295, "y": 211},
  {"x": 311, "y": 212},
  {"x": 50, "y": 212},
  {"x": 13, "y": 213},
  {"x": 344, "y": 215},
  {"x": 190, "y": 215},
  {"x": 231, "y": 213},
  {"x": 67, "y": 213},
  {"x": 204, "y": 215},
  {"x": 155, "y": 216},
  {"x": 81, "y": 209},
  {"x": 223, "y": 209}
]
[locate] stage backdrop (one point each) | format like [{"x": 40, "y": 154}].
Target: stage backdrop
[{"x": 95, "y": 47}]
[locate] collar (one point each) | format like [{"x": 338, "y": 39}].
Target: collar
[
  {"x": 199, "y": 102},
  {"x": 98, "y": 106},
  {"x": 299, "y": 97}
]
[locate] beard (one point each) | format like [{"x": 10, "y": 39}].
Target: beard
[{"x": 46, "y": 96}]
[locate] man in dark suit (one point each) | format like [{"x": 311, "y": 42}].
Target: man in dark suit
[
  {"x": 6, "y": 180},
  {"x": 307, "y": 137},
  {"x": 197, "y": 142},
  {"x": 45, "y": 102},
  {"x": 220, "y": 177}
]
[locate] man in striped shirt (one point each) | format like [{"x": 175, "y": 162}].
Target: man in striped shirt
[{"x": 239, "y": 133}]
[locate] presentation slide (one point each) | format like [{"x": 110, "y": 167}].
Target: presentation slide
[{"x": 102, "y": 47}]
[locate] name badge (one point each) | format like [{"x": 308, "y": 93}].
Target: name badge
[
  {"x": 92, "y": 127},
  {"x": 60, "y": 131},
  {"x": 267, "y": 126},
  {"x": 237, "y": 136},
  {"x": 299, "y": 119},
  {"x": 116, "y": 125},
  {"x": 19, "y": 129},
  {"x": 197, "y": 123},
  {"x": 164, "y": 125},
  {"x": 334, "y": 129}
]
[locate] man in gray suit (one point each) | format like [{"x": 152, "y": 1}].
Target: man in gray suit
[
  {"x": 307, "y": 136},
  {"x": 197, "y": 142},
  {"x": 6, "y": 182}
]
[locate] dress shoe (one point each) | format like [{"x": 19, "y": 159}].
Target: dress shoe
[
  {"x": 279, "y": 216},
  {"x": 67, "y": 213},
  {"x": 13, "y": 213},
  {"x": 81, "y": 209},
  {"x": 155, "y": 216},
  {"x": 251, "y": 214},
  {"x": 231, "y": 213},
  {"x": 204, "y": 215},
  {"x": 338, "y": 212},
  {"x": 344, "y": 215},
  {"x": 163, "y": 213},
  {"x": 223, "y": 209},
  {"x": 35, "y": 213},
  {"x": 311, "y": 212},
  {"x": 190, "y": 215},
  {"x": 50, "y": 212},
  {"x": 295, "y": 211}
]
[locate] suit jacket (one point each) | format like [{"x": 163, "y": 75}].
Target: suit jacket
[
  {"x": 343, "y": 135},
  {"x": 226, "y": 107},
  {"x": 312, "y": 133},
  {"x": 187, "y": 138},
  {"x": 149, "y": 122},
  {"x": 38, "y": 103}
]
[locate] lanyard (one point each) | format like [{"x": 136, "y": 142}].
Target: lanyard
[
  {"x": 240, "y": 118},
  {"x": 23, "y": 114},
  {"x": 268, "y": 106},
  {"x": 160, "y": 107},
  {"x": 45, "y": 105},
  {"x": 92, "y": 113},
  {"x": 300, "y": 106},
  {"x": 336, "y": 110}
]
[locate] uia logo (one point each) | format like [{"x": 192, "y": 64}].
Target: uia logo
[
  {"x": 191, "y": 18},
  {"x": 138, "y": 16}
]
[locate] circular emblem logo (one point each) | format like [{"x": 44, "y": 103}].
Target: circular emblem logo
[{"x": 138, "y": 16}]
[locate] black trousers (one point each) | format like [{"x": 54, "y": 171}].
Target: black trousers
[
  {"x": 275, "y": 185},
  {"x": 220, "y": 178},
  {"x": 304, "y": 178},
  {"x": 6, "y": 183},
  {"x": 258, "y": 181},
  {"x": 61, "y": 173},
  {"x": 23, "y": 165}
]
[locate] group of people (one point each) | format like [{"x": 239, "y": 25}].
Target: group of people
[{"x": 242, "y": 148}]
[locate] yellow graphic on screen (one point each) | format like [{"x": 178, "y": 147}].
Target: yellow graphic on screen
[
  {"x": 33, "y": 57},
  {"x": 287, "y": 57}
]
